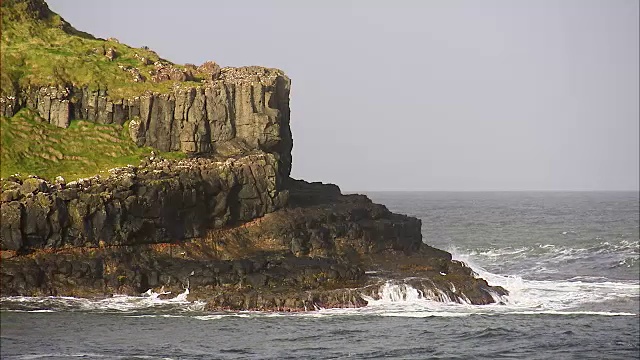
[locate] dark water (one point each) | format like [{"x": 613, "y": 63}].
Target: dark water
[
  {"x": 482, "y": 336},
  {"x": 570, "y": 261}
]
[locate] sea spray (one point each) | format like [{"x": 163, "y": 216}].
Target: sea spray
[{"x": 552, "y": 295}]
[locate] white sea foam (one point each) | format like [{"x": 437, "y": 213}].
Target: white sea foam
[
  {"x": 575, "y": 296},
  {"x": 392, "y": 292},
  {"x": 601, "y": 247},
  {"x": 555, "y": 295},
  {"x": 397, "y": 299},
  {"x": 579, "y": 295},
  {"x": 116, "y": 303}
]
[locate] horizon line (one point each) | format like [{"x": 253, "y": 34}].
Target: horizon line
[{"x": 489, "y": 190}]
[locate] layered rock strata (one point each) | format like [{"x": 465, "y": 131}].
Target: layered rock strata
[
  {"x": 248, "y": 106},
  {"x": 324, "y": 250},
  {"x": 228, "y": 223},
  {"x": 163, "y": 201}
]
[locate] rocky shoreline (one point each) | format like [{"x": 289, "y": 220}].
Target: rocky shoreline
[
  {"x": 323, "y": 249},
  {"x": 228, "y": 223}
]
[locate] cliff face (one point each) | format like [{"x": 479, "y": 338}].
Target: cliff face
[
  {"x": 245, "y": 107},
  {"x": 227, "y": 222},
  {"x": 312, "y": 253},
  {"x": 233, "y": 122},
  {"x": 161, "y": 202}
]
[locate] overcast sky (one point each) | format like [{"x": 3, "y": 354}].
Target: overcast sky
[{"x": 423, "y": 95}]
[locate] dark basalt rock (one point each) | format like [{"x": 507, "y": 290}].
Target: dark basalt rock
[
  {"x": 247, "y": 106},
  {"x": 228, "y": 223},
  {"x": 163, "y": 201},
  {"x": 308, "y": 255}
]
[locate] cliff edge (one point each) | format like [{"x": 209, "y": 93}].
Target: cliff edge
[{"x": 224, "y": 219}]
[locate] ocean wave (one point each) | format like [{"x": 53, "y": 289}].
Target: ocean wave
[
  {"x": 602, "y": 247},
  {"x": 414, "y": 308},
  {"x": 116, "y": 303},
  {"x": 543, "y": 259},
  {"x": 578, "y": 295},
  {"x": 556, "y": 296},
  {"x": 85, "y": 355}
]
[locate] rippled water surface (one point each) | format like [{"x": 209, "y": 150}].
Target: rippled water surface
[{"x": 569, "y": 260}]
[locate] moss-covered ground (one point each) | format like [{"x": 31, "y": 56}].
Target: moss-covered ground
[
  {"x": 39, "y": 48},
  {"x": 30, "y": 146}
]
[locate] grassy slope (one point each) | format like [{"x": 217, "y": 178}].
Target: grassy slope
[
  {"x": 38, "y": 48},
  {"x": 45, "y": 50},
  {"x": 84, "y": 149}
]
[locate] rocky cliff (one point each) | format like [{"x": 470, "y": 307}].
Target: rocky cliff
[
  {"x": 162, "y": 201},
  {"x": 243, "y": 108},
  {"x": 227, "y": 222},
  {"x": 312, "y": 253},
  {"x": 202, "y": 109}
]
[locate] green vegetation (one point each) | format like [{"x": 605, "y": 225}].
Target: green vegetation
[
  {"x": 84, "y": 149},
  {"x": 39, "y": 48}
]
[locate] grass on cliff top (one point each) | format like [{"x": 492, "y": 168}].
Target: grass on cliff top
[
  {"x": 38, "y": 48},
  {"x": 84, "y": 149}
]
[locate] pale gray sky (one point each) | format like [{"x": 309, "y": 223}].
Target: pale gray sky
[{"x": 423, "y": 95}]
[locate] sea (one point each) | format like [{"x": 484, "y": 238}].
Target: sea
[{"x": 570, "y": 261}]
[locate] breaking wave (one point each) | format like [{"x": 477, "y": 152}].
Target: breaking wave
[
  {"x": 578, "y": 295},
  {"x": 115, "y": 304},
  {"x": 623, "y": 253}
]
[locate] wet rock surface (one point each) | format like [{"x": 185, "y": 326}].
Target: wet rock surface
[
  {"x": 323, "y": 249},
  {"x": 227, "y": 223}
]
